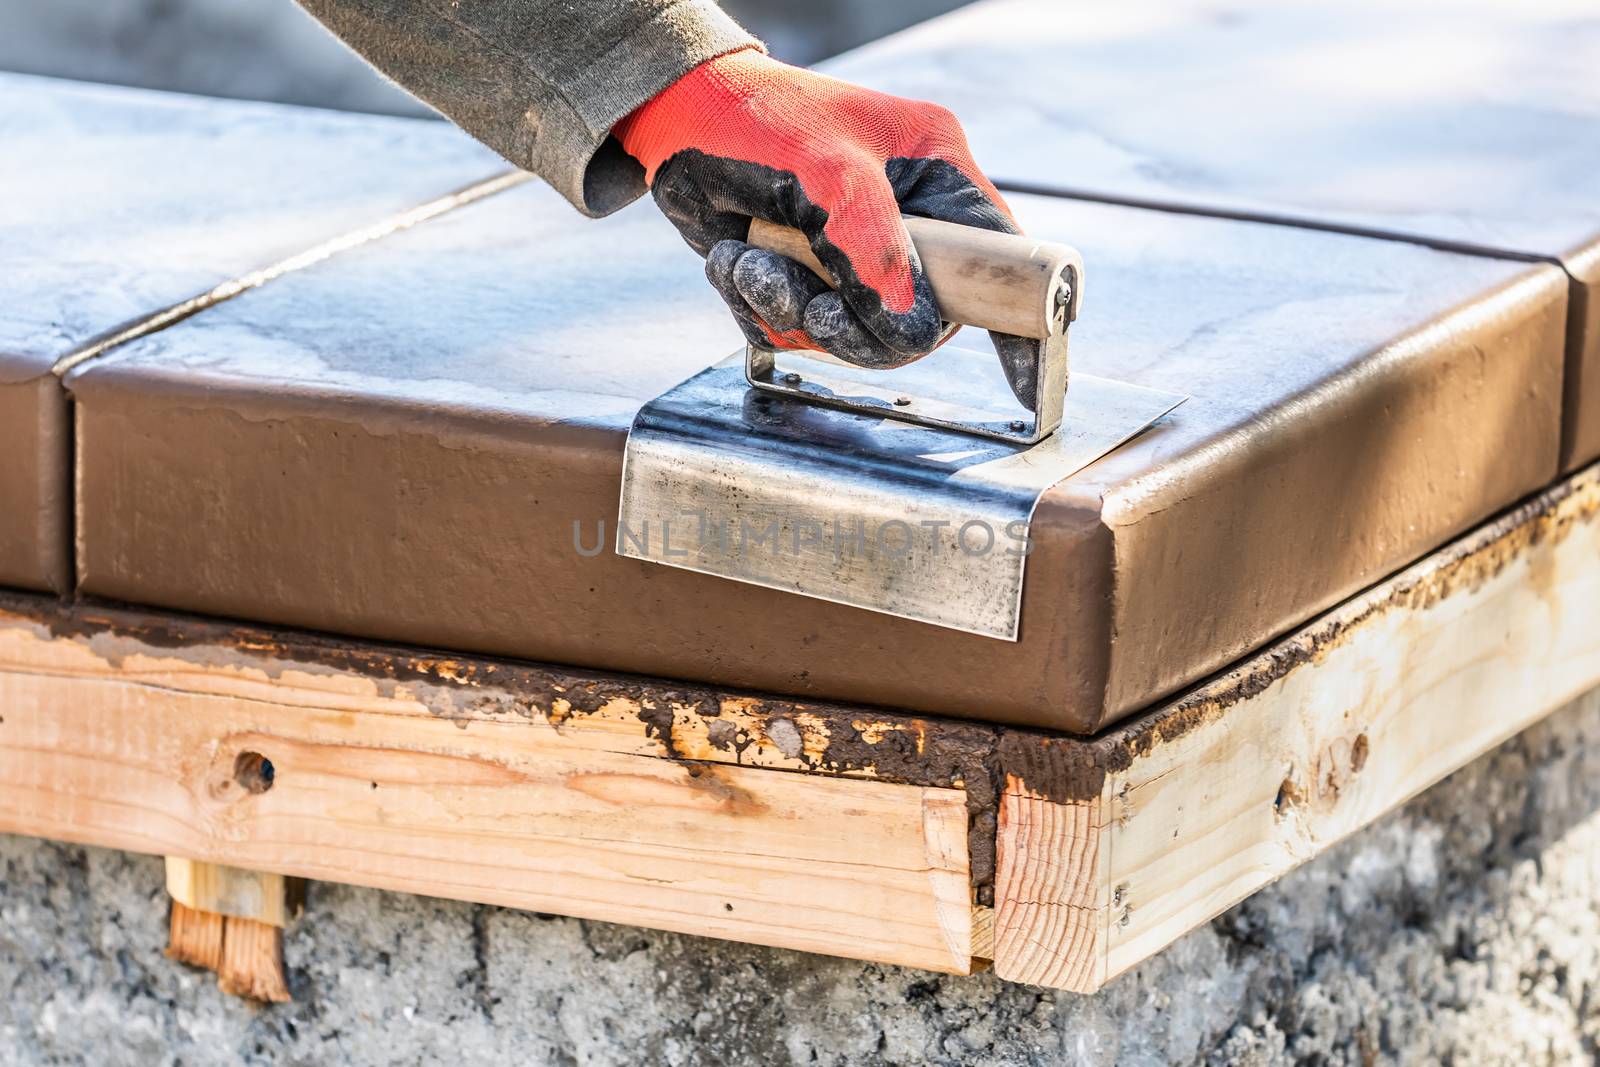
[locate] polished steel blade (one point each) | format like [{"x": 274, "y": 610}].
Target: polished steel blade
[{"x": 923, "y": 523}]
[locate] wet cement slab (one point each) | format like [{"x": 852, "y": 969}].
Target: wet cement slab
[
  {"x": 420, "y": 441},
  {"x": 115, "y": 203},
  {"x": 1464, "y": 122}
]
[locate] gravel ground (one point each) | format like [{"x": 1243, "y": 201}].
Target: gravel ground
[{"x": 1462, "y": 929}]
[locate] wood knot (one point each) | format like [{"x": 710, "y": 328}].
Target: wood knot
[{"x": 1336, "y": 765}]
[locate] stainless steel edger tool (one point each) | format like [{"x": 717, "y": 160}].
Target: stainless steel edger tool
[{"x": 908, "y": 491}]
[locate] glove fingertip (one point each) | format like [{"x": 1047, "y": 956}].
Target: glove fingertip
[
  {"x": 776, "y": 286},
  {"x": 721, "y": 259},
  {"x": 829, "y": 320},
  {"x": 913, "y": 332}
]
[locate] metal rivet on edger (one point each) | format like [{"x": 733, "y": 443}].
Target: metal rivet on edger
[
  {"x": 791, "y": 378},
  {"x": 1017, "y": 426}
]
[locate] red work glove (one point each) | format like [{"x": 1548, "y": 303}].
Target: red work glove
[{"x": 744, "y": 136}]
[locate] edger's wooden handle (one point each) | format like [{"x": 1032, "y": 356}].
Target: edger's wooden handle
[{"x": 997, "y": 281}]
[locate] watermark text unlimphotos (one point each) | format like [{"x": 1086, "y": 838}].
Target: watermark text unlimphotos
[{"x": 692, "y": 533}]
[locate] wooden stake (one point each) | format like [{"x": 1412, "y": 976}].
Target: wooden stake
[
  {"x": 195, "y": 937},
  {"x": 252, "y": 960},
  {"x": 269, "y": 898},
  {"x": 230, "y": 921}
]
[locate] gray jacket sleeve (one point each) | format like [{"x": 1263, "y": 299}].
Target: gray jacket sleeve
[{"x": 540, "y": 81}]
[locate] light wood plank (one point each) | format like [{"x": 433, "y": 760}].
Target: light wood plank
[
  {"x": 1218, "y": 793},
  {"x": 1051, "y": 891},
  {"x": 593, "y": 710},
  {"x": 260, "y": 896},
  {"x": 115, "y": 743}
]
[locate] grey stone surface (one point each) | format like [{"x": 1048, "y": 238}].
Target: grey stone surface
[{"x": 1464, "y": 928}]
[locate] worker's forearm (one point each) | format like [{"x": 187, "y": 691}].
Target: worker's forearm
[{"x": 540, "y": 81}]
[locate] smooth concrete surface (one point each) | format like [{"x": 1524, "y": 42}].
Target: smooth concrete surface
[
  {"x": 1464, "y": 928},
  {"x": 1469, "y": 122},
  {"x": 117, "y": 203},
  {"x": 415, "y": 442}
]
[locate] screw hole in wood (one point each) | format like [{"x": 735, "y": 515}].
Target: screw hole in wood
[{"x": 254, "y": 772}]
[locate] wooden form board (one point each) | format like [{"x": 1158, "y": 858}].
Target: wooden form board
[
  {"x": 848, "y": 831},
  {"x": 112, "y": 741},
  {"x": 1196, "y": 806}
]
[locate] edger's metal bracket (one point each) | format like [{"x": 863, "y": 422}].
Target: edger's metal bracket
[{"x": 813, "y": 377}]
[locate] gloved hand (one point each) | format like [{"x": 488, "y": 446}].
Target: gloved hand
[{"x": 744, "y": 136}]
